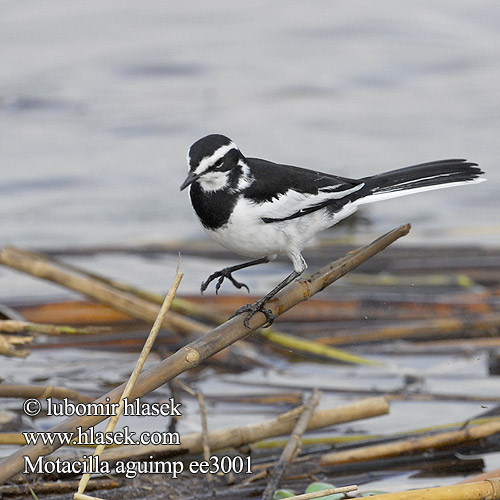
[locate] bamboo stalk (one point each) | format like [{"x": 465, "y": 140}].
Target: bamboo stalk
[
  {"x": 214, "y": 341},
  {"x": 293, "y": 445},
  {"x": 412, "y": 445},
  {"x": 481, "y": 490}
]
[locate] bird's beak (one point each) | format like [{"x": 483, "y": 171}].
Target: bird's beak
[{"x": 189, "y": 180}]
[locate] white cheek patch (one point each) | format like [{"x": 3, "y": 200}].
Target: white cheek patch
[{"x": 213, "y": 181}]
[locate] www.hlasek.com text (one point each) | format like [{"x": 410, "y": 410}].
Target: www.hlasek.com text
[{"x": 91, "y": 437}]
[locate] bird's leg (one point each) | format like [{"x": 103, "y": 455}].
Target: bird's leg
[
  {"x": 227, "y": 273},
  {"x": 259, "y": 305}
]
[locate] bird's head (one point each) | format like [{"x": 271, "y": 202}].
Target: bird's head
[{"x": 211, "y": 160}]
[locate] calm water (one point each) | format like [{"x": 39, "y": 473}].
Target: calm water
[{"x": 100, "y": 101}]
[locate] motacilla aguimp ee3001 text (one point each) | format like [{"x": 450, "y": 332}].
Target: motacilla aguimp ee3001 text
[{"x": 260, "y": 209}]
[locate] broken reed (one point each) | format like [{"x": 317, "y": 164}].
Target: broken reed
[{"x": 210, "y": 343}]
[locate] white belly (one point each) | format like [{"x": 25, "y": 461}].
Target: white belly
[{"x": 246, "y": 234}]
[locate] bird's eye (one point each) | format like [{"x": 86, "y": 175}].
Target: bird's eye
[{"x": 218, "y": 163}]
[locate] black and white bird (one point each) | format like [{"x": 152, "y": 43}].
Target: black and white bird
[{"x": 259, "y": 209}]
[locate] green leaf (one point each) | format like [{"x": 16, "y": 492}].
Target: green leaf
[{"x": 283, "y": 494}]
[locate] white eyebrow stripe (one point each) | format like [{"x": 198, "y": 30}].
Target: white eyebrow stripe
[{"x": 207, "y": 161}]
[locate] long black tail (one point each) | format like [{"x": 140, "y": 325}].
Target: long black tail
[{"x": 423, "y": 177}]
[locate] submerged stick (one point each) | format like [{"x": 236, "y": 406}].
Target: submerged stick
[
  {"x": 214, "y": 341},
  {"x": 293, "y": 445}
]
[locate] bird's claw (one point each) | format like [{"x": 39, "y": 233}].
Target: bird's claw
[
  {"x": 251, "y": 309},
  {"x": 222, "y": 275}
]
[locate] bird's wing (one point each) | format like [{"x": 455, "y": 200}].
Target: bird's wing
[{"x": 284, "y": 192}]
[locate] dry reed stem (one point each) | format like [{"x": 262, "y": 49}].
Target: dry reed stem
[
  {"x": 482, "y": 490},
  {"x": 214, "y": 341},
  {"x": 31, "y": 263},
  {"x": 134, "y": 306},
  {"x": 137, "y": 370},
  {"x": 439, "y": 327},
  {"x": 41, "y": 392},
  {"x": 13, "y": 326},
  {"x": 179, "y": 305},
  {"x": 301, "y": 345},
  {"x": 235, "y": 437},
  {"x": 410, "y": 445},
  {"x": 294, "y": 444},
  {"x": 12, "y": 438}
]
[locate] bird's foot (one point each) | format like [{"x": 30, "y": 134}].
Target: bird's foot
[
  {"x": 222, "y": 275},
  {"x": 251, "y": 309}
]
